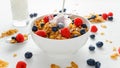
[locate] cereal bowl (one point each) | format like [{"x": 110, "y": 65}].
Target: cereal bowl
[{"x": 61, "y": 47}]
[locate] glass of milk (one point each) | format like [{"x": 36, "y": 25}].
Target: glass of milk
[{"x": 20, "y": 13}]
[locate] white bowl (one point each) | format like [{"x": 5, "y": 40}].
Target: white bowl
[{"x": 61, "y": 47}]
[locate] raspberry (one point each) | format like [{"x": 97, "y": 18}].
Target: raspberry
[
  {"x": 119, "y": 50},
  {"x": 78, "y": 22},
  {"x": 46, "y": 19},
  {"x": 94, "y": 29},
  {"x": 41, "y": 33},
  {"x": 105, "y": 16},
  {"x": 19, "y": 38},
  {"x": 21, "y": 64},
  {"x": 65, "y": 32},
  {"x": 110, "y": 14}
]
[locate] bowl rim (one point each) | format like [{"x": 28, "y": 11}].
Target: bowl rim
[{"x": 32, "y": 23}]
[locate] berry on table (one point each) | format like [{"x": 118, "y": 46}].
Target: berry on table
[
  {"x": 28, "y": 55},
  {"x": 110, "y": 14},
  {"x": 34, "y": 28},
  {"x": 19, "y": 38},
  {"x": 91, "y": 62},
  {"x": 54, "y": 15},
  {"x": 110, "y": 18},
  {"x": 97, "y": 64},
  {"x": 13, "y": 37},
  {"x": 78, "y": 22},
  {"x": 35, "y": 14},
  {"x": 94, "y": 29},
  {"x": 82, "y": 31},
  {"x": 91, "y": 48},
  {"x": 92, "y": 36},
  {"x": 31, "y": 15},
  {"x": 64, "y": 10},
  {"x": 65, "y": 32},
  {"x": 54, "y": 29},
  {"x": 99, "y": 44},
  {"x": 41, "y": 33},
  {"x": 21, "y": 64},
  {"x": 46, "y": 19},
  {"x": 105, "y": 16}
]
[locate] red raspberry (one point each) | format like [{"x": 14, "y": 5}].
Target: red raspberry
[
  {"x": 78, "y": 22},
  {"x": 19, "y": 38},
  {"x": 110, "y": 14},
  {"x": 65, "y": 32},
  {"x": 46, "y": 19},
  {"x": 94, "y": 29},
  {"x": 21, "y": 64},
  {"x": 41, "y": 33},
  {"x": 119, "y": 50},
  {"x": 105, "y": 16}
]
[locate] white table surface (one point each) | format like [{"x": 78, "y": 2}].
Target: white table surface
[{"x": 80, "y": 7}]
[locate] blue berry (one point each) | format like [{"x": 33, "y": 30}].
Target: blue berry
[
  {"x": 54, "y": 15},
  {"x": 60, "y": 11},
  {"x": 64, "y": 10},
  {"x": 92, "y": 36},
  {"x": 31, "y": 15},
  {"x": 89, "y": 18},
  {"x": 93, "y": 17},
  {"x": 97, "y": 64},
  {"x": 42, "y": 24},
  {"x": 60, "y": 25},
  {"x": 99, "y": 44},
  {"x": 91, "y": 62},
  {"x": 28, "y": 55},
  {"x": 100, "y": 14},
  {"x": 82, "y": 31},
  {"x": 110, "y": 18},
  {"x": 54, "y": 29},
  {"x": 35, "y": 14},
  {"x": 34, "y": 28},
  {"x": 91, "y": 48},
  {"x": 13, "y": 37},
  {"x": 84, "y": 25}
]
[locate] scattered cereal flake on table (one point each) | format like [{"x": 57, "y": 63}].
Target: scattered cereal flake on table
[
  {"x": 73, "y": 65},
  {"x": 114, "y": 49},
  {"x": 15, "y": 55},
  {"x": 110, "y": 41},
  {"x": 106, "y": 40},
  {"x": 8, "y": 33},
  {"x": 103, "y": 26},
  {"x": 55, "y": 66},
  {"x": 3, "y": 64},
  {"x": 114, "y": 56},
  {"x": 102, "y": 33}
]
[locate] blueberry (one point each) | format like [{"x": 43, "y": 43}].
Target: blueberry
[
  {"x": 92, "y": 36},
  {"x": 91, "y": 62},
  {"x": 84, "y": 25},
  {"x": 91, "y": 48},
  {"x": 64, "y": 10},
  {"x": 35, "y": 14},
  {"x": 93, "y": 17},
  {"x": 100, "y": 14},
  {"x": 97, "y": 64},
  {"x": 28, "y": 55},
  {"x": 54, "y": 15},
  {"x": 60, "y": 25},
  {"x": 82, "y": 31},
  {"x": 110, "y": 18},
  {"x": 89, "y": 18},
  {"x": 99, "y": 44},
  {"x": 13, "y": 37},
  {"x": 54, "y": 29},
  {"x": 42, "y": 24},
  {"x": 60, "y": 11},
  {"x": 34, "y": 28},
  {"x": 31, "y": 15}
]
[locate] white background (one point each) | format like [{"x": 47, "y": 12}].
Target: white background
[{"x": 80, "y": 7}]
